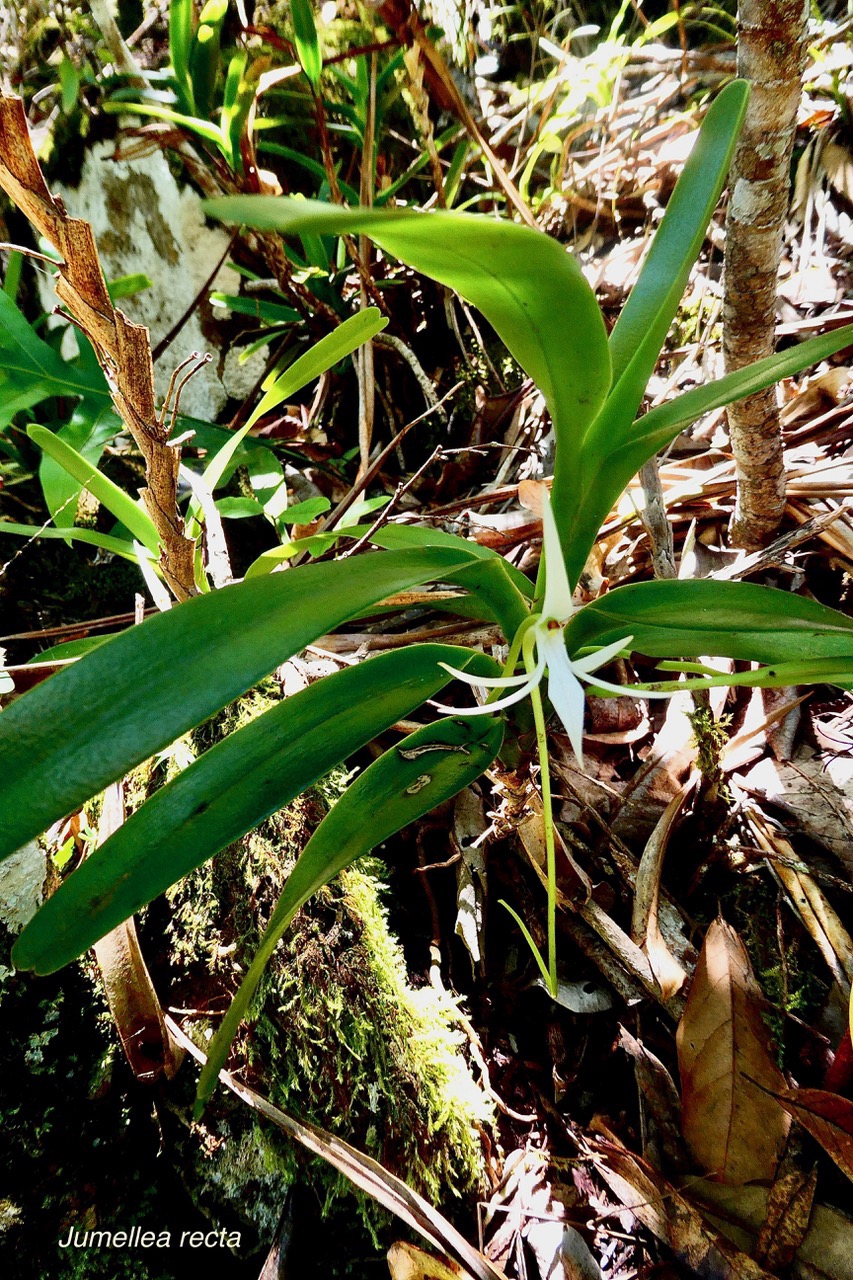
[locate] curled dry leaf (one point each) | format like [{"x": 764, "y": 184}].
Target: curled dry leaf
[
  {"x": 828, "y": 1118},
  {"x": 734, "y": 1129},
  {"x": 661, "y": 1098},
  {"x": 808, "y": 900},
  {"x": 818, "y": 791},
  {"x": 645, "y": 928}
]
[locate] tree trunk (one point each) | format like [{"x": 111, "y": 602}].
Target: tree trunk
[{"x": 771, "y": 54}]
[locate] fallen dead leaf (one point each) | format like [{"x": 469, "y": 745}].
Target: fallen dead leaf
[
  {"x": 670, "y": 1217},
  {"x": 661, "y": 1099},
  {"x": 789, "y": 1211},
  {"x": 828, "y": 1118},
  {"x": 817, "y": 791},
  {"x": 739, "y": 1212},
  {"x": 809, "y": 901},
  {"x": 735, "y": 1131},
  {"x": 645, "y": 927}
]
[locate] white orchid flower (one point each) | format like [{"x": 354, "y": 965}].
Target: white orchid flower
[{"x": 545, "y": 638}]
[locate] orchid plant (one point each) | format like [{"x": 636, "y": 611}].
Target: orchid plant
[{"x": 69, "y": 737}]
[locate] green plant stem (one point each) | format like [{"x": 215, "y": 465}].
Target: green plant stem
[{"x": 547, "y": 814}]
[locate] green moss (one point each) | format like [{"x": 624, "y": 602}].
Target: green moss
[{"x": 338, "y": 1037}]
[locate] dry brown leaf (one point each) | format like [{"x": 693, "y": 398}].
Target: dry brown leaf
[
  {"x": 818, "y": 792},
  {"x": 820, "y": 919},
  {"x": 740, "y": 1211},
  {"x": 829, "y": 1119},
  {"x": 408, "y": 1262},
  {"x": 661, "y": 1098},
  {"x": 735, "y": 1132},
  {"x": 645, "y": 928},
  {"x": 670, "y": 1217},
  {"x": 789, "y": 1211}
]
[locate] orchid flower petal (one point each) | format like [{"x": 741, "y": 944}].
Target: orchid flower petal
[
  {"x": 485, "y": 682},
  {"x": 558, "y": 593},
  {"x": 488, "y": 707},
  {"x": 625, "y": 690},
  {"x": 601, "y": 657},
  {"x": 564, "y": 689},
  {"x": 530, "y": 682}
]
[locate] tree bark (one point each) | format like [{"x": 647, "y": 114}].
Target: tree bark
[{"x": 771, "y": 54}]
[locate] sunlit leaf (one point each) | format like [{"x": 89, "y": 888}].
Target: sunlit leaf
[
  {"x": 66, "y": 739},
  {"x": 229, "y": 790}
]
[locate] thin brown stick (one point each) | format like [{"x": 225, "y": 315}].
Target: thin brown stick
[{"x": 123, "y": 348}]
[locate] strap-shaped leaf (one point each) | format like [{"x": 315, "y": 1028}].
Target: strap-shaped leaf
[
  {"x": 305, "y": 38},
  {"x": 527, "y": 286},
  {"x": 118, "y": 503},
  {"x": 89, "y": 724},
  {"x": 93, "y": 423},
  {"x": 229, "y": 790},
  {"x": 394, "y": 537},
  {"x": 103, "y": 540},
  {"x": 428, "y": 767},
  {"x": 204, "y": 54},
  {"x": 180, "y": 40},
  {"x": 660, "y": 425},
  {"x": 687, "y": 619},
  {"x": 643, "y": 324},
  {"x": 349, "y": 335}
]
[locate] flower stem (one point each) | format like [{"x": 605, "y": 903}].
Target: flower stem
[{"x": 548, "y": 816}]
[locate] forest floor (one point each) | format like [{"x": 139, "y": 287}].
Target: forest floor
[{"x": 716, "y": 830}]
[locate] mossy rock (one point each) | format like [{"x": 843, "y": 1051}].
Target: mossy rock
[{"x": 338, "y": 1035}]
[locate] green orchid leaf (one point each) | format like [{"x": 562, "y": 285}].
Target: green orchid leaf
[
  {"x": 231, "y": 789},
  {"x": 94, "y": 721},
  {"x": 241, "y": 90},
  {"x": 28, "y": 355},
  {"x": 662, "y": 424},
  {"x": 428, "y": 767},
  {"x": 644, "y": 322},
  {"x": 91, "y": 537},
  {"x": 349, "y": 335},
  {"x": 689, "y": 619},
  {"x": 307, "y": 43},
  {"x": 527, "y": 286},
  {"x": 180, "y": 40},
  {"x": 204, "y": 54},
  {"x": 204, "y": 129},
  {"x": 394, "y": 537},
  {"x": 93, "y": 424},
  {"x": 126, "y": 511},
  {"x": 69, "y": 649}
]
